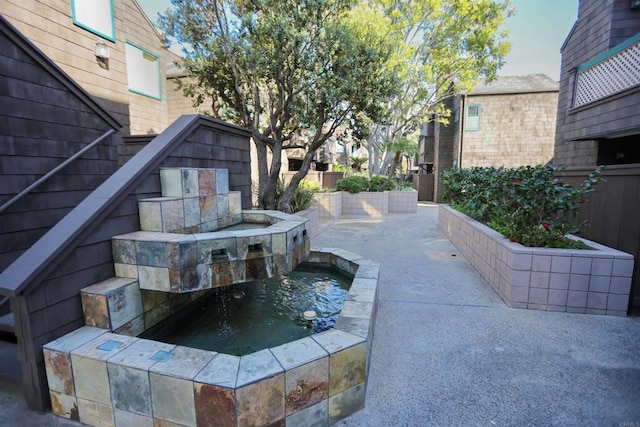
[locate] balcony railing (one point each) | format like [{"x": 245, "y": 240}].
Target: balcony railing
[{"x": 614, "y": 72}]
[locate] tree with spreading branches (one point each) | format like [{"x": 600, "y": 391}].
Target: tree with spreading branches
[
  {"x": 290, "y": 71},
  {"x": 442, "y": 48}
]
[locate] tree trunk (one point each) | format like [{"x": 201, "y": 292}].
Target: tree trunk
[
  {"x": 284, "y": 204},
  {"x": 263, "y": 171},
  {"x": 392, "y": 170},
  {"x": 268, "y": 177},
  {"x": 384, "y": 168}
]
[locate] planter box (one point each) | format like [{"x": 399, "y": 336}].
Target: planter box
[
  {"x": 329, "y": 205},
  {"x": 332, "y": 205},
  {"x": 403, "y": 201},
  {"x": 365, "y": 203},
  {"x": 593, "y": 281}
]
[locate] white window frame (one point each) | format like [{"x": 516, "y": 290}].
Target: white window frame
[
  {"x": 139, "y": 85},
  {"x": 472, "y": 122}
]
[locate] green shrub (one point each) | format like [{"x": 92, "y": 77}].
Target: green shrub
[
  {"x": 338, "y": 167},
  {"x": 303, "y": 196},
  {"x": 309, "y": 186},
  {"x": 377, "y": 180},
  {"x": 353, "y": 184},
  {"x": 526, "y": 204}
]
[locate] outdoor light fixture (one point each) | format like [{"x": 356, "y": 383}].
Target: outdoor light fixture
[
  {"x": 635, "y": 4},
  {"x": 101, "y": 50}
]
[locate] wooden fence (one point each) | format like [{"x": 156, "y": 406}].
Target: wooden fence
[
  {"x": 613, "y": 213},
  {"x": 423, "y": 183},
  {"x": 325, "y": 179}
]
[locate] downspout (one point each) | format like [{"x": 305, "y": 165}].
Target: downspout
[{"x": 461, "y": 129}]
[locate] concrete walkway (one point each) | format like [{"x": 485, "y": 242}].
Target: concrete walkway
[{"x": 447, "y": 351}]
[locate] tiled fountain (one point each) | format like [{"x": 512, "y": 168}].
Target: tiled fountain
[{"x": 102, "y": 374}]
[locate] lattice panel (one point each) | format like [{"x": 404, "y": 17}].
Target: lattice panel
[{"x": 613, "y": 75}]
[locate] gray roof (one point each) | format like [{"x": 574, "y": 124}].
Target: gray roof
[{"x": 517, "y": 84}]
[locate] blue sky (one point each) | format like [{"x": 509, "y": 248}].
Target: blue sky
[{"x": 537, "y": 31}]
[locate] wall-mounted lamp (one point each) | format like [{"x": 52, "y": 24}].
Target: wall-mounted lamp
[
  {"x": 101, "y": 50},
  {"x": 635, "y": 4}
]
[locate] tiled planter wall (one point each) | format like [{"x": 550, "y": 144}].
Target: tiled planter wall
[
  {"x": 365, "y": 203},
  {"x": 594, "y": 281},
  {"x": 403, "y": 201},
  {"x": 332, "y": 205},
  {"x": 329, "y": 205},
  {"x": 102, "y": 378}
]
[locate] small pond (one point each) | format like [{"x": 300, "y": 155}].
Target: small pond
[{"x": 244, "y": 318}]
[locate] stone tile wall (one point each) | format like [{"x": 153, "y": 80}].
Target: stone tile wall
[
  {"x": 193, "y": 201},
  {"x": 329, "y": 205},
  {"x": 593, "y": 281},
  {"x": 180, "y": 250},
  {"x": 178, "y": 263},
  {"x": 101, "y": 378},
  {"x": 403, "y": 201}
]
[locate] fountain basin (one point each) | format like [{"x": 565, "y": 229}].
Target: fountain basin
[
  {"x": 107, "y": 376},
  {"x": 179, "y": 263}
]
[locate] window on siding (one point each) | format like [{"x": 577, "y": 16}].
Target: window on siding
[
  {"x": 473, "y": 117},
  {"x": 143, "y": 71},
  {"x": 95, "y": 16}
]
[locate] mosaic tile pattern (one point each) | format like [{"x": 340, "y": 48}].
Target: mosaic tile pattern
[{"x": 103, "y": 378}]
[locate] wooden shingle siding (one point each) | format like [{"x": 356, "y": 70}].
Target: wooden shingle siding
[
  {"x": 515, "y": 130},
  {"x": 49, "y": 24},
  {"x": 44, "y": 123},
  {"x": 601, "y": 25}
]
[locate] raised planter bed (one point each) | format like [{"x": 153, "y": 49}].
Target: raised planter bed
[
  {"x": 593, "y": 281},
  {"x": 333, "y": 205}
]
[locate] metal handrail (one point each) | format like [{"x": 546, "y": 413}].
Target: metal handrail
[{"x": 55, "y": 170}]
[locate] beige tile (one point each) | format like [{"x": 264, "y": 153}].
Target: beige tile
[
  {"x": 95, "y": 414},
  {"x": 173, "y": 399},
  {"x": 347, "y": 368},
  {"x": 261, "y": 403}
]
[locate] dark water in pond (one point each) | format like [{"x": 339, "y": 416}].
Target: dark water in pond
[{"x": 248, "y": 317}]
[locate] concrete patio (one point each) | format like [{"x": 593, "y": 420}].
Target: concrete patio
[{"x": 448, "y": 351}]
